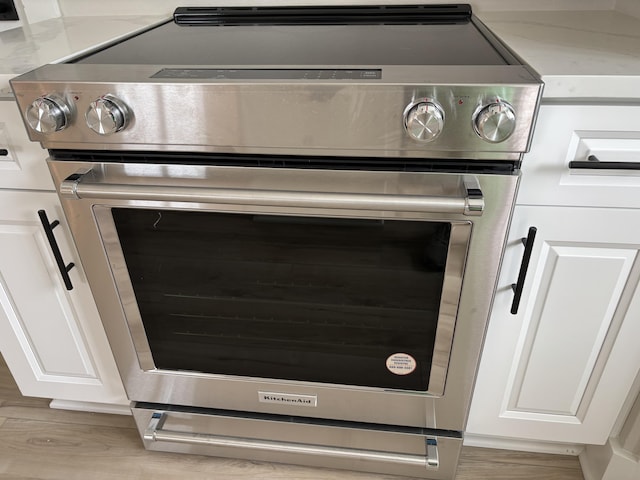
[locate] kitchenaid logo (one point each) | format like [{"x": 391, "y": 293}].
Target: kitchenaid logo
[{"x": 288, "y": 399}]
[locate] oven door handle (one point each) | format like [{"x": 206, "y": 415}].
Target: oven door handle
[
  {"x": 155, "y": 433},
  {"x": 80, "y": 186}
]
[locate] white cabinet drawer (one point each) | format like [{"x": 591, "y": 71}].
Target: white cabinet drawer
[
  {"x": 22, "y": 162},
  {"x": 568, "y": 135}
]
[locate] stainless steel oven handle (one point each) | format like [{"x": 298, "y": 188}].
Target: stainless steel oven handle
[
  {"x": 155, "y": 433},
  {"x": 77, "y": 186}
]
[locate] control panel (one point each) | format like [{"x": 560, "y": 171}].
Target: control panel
[
  {"x": 493, "y": 122},
  {"x": 423, "y": 119},
  {"x": 303, "y": 117},
  {"x": 52, "y": 113}
]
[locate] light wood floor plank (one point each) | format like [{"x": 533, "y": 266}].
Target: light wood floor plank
[
  {"x": 47, "y": 414},
  {"x": 489, "y": 471},
  {"x": 513, "y": 457}
]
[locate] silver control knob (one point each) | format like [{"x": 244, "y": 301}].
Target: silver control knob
[
  {"x": 495, "y": 122},
  {"x": 48, "y": 114},
  {"x": 424, "y": 120},
  {"x": 107, "y": 115}
]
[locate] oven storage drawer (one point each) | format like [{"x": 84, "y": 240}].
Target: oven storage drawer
[{"x": 298, "y": 440}]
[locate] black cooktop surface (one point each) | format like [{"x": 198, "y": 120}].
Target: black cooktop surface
[{"x": 354, "y": 37}]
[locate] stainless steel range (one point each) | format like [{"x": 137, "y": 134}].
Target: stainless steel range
[{"x": 292, "y": 220}]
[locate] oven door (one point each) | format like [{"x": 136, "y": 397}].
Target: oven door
[
  {"x": 343, "y": 301},
  {"x": 306, "y": 292}
]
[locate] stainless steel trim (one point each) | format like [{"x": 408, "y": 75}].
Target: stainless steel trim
[
  {"x": 156, "y": 433},
  {"x": 126, "y": 294},
  {"x": 79, "y": 189},
  {"x": 449, "y": 301}
]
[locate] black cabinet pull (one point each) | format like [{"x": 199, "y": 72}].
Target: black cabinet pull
[
  {"x": 524, "y": 266},
  {"x": 4, "y": 152},
  {"x": 48, "y": 229},
  {"x": 593, "y": 163}
]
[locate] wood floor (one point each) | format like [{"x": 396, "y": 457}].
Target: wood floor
[{"x": 39, "y": 443}]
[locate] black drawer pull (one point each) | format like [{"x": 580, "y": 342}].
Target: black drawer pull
[
  {"x": 592, "y": 163},
  {"x": 4, "y": 152},
  {"x": 524, "y": 266},
  {"x": 48, "y": 229}
]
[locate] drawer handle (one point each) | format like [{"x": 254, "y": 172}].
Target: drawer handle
[
  {"x": 48, "y": 230},
  {"x": 4, "y": 152},
  {"x": 593, "y": 163},
  {"x": 155, "y": 433},
  {"x": 524, "y": 266}
]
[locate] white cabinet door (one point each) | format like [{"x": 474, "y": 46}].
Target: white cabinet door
[
  {"x": 22, "y": 162},
  {"x": 51, "y": 338},
  {"x": 562, "y": 367}
]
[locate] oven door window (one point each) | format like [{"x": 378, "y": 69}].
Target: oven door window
[{"x": 354, "y": 302}]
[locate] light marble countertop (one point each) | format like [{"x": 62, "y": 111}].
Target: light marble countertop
[
  {"x": 30, "y": 46},
  {"x": 580, "y": 54},
  {"x": 588, "y": 54}
]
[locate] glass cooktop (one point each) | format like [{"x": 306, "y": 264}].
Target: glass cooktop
[{"x": 354, "y": 40}]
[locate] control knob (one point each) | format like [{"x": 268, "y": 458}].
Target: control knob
[
  {"x": 495, "y": 122},
  {"x": 424, "y": 120},
  {"x": 48, "y": 114},
  {"x": 107, "y": 115}
]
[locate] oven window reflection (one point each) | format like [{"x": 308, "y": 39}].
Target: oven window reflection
[{"x": 342, "y": 301}]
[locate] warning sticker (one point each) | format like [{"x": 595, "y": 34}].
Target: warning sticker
[{"x": 401, "y": 363}]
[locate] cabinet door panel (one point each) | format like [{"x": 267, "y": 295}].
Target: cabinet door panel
[
  {"x": 562, "y": 367},
  {"x": 36, "y": 307},
  {"x": 579, "y": 287},
  {"x": 51, "y": 338}
]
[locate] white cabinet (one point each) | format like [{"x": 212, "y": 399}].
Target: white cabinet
[
  {"x": 561, "y": 369},
  {"x": 22, "y": 162},
  {"x": 51, "y": 338},
  {"x": 573, "y": 133}
]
